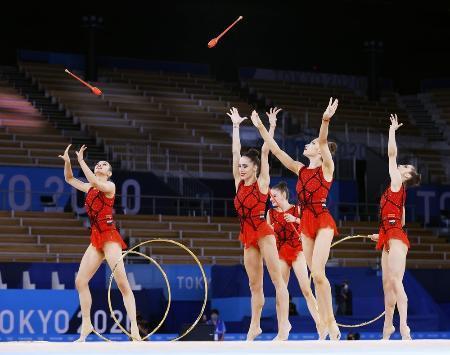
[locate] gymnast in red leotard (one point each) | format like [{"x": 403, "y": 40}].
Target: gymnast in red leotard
[
  {"x": 106, "y": 242},
  {"x": 285, "y": 219},
  {"x": 312, "y": 192},
  {"x": 99, "y": 210},
  {"x": 392, "y": 238},
  {"x": 251, "y": 177},
  {"x": 317, "y": 227}
]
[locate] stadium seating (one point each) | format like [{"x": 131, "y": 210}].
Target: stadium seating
[
  {"x": 356, "y": 114},
  {"x": 168, "y": 122},
  {"x": 34, "y": 236},
  {"x": 133, "y": 117},
  {"x": 441, "y": 99},
  {"x": 26, "y": 137}
]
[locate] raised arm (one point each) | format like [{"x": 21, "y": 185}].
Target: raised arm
[
  {"x": 284, "y": 158},
  {"x": 236, "y": 143},
  {"x": 272, "y": 114},
  {"x": 396, "y": 177},
  {"x": 68, "y": 174},
  {"x": 105, "y": 186},
  {"x": 264, "y": 177},
  {"x": 327, "y": 158}
]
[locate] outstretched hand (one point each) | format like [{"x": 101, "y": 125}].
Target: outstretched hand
[
  {"x": 374, "y": 237},
  {"x": 255, "y": 119},
  {"x": 65, "y": 156},
  {"x": 272, "y": 114},
  {"x": 394, "y": 122},
  {"x": 80, "y": 153},
  {"x": 234, "y": 115},
  {"x": 331, "y": 109}
]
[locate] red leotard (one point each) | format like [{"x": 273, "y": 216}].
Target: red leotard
[
  {"x": 288, "y": 239},
  {"x": 99, "y": 210},
  {"x": 391, "y": 215},
  {"x": 312, "y": 192},
  {"x": 250, "y": 204}
]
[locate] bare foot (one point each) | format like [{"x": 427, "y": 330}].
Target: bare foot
[
  {"x": 135, "y": 332},
  {"x": 283, "y": 333},
  {"x": 86, "y": 329},
  {"x": 253, "y": 332},
  {"x": 405, "y": 332},
  {"x": 322, "y": 330},
  {"x": 335, "y": 333},
  {"x": 388, "y": 331}
]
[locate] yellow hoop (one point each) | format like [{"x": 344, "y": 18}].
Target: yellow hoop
[
  {"x": 205, "y": 281},
  {"x": 364, "y": 323},
  {"x": 100, "y": 335},
  {"x": 131, "y": 251}
]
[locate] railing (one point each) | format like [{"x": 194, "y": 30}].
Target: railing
[
  {"x": 167, "y": 205},
  {"x": 377, "y": 141},
  {"x": 176, "y": 174},
  {"x": 345, "y": 168},
  {"x": 151, "y": 158},
  {"x": 188, "y": 186},
  {"x": 26, "y": 200},
  {"x": 368, "y": 212}
]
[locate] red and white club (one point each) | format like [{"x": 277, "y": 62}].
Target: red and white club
[
  {"x": 95, "y": 90},
  {"x": 212, "y": 43}
]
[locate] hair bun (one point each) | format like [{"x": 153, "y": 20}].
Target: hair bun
[
  {"x": 252, "y": 152},
  {"x": 333, "y": 147},
  {"x": 282, "y": 184},
  {"x": 253, "y": 155}
]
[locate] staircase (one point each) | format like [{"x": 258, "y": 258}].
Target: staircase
[
  {"x": 422, "y": 118},
  {"x": 422, "y": 114},
  {"x": 57, "y": 117}
]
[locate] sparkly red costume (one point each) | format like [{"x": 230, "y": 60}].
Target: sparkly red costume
[
  {"x": 99, "y": 209},
  {"x": 288, "y": 239},
  {"x": 250, "y": 204},
  {"x": 391, "y": 215},
  {"x": 312, "y": 192}
]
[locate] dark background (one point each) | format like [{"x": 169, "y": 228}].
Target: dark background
[{"x": 306, "y": 35}]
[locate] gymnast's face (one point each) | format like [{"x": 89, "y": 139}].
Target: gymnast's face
[
  {"x": 277, "y": 195},
  {"x": 247, "y": 169},
  {"x": 312, "y": 149},
  {"x": 103, "y": 168},
  {"x": 405, "y": 171}
]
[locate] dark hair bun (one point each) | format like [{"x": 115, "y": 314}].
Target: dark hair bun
[
  {"x": 414, "y": 180},
  {"x": 253, "y": 155},
  {"x": 333, "y": 147},
  {"x": 252, "y": 152},
  {"x": 282, "y": 185}
]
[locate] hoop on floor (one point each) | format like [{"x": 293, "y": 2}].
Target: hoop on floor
[
  {"x": 169, "y": 300},
  {"x": 100, "y": 335},
  {"x": 377, "y": 317},
  {"x": 364, "y": 323},
  {"x": 168, "y": 291},
  {"x": 132, "y": 250},
  {"x": 332, "y": 245}
]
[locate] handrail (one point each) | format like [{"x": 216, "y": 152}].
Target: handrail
[{"x": 173, "y": 205}]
